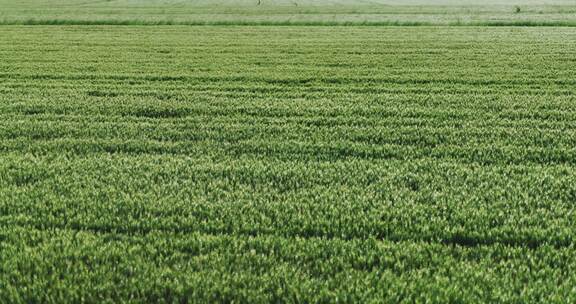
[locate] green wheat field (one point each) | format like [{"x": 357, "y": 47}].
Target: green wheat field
[{"x": 380, "y": 151}]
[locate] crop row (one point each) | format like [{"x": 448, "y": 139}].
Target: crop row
[
  {"x": 69, "y": 266},
  {"x": 351, "y": 198}
]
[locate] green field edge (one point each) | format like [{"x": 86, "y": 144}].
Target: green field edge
[{"x": 526, "y": 23}]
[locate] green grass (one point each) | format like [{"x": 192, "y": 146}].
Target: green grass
[{"x": 302, "y": 164}]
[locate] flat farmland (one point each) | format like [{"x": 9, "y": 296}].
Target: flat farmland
[
  {"x": 289, "y": 12},
  {"x": 292, "y": 164}
]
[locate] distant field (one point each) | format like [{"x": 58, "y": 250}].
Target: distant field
[
  {"x": 257, "y": 163},
  {"x": 290, "y": 12}
]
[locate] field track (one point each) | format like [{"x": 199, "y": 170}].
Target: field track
[{"x": 304, "y": 163}]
